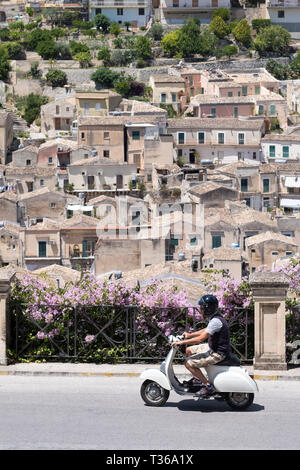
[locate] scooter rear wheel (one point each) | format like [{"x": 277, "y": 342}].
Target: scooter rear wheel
[
  {"x": 153, "y": 394},
  {"x": 239, "y": 401}
]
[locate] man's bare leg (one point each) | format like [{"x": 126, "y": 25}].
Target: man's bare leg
[{"x": 195, "y": 370}]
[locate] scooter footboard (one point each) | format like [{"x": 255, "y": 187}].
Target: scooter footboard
[{"x": 157, "y": 376}]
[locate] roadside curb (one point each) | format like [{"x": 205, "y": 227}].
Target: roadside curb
[{"x": 266, "y": 377}]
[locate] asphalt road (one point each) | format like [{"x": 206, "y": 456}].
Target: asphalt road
[{"x": 76, "y": 413}]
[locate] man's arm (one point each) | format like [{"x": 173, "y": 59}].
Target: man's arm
[
  {"x": 197, "y": 337},
  {"x": 192, "y": 335}
]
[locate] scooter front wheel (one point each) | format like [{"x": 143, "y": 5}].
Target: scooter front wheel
[
  {"x": 239, "y": 401},
  {"x": 154, "y": 394}
]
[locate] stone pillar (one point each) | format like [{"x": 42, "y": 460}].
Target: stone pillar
[
  {"x": 6, "y": 276},
  {"x": 269, "y": 292}
]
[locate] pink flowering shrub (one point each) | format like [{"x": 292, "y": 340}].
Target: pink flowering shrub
[{"x": 101, "y": 323}]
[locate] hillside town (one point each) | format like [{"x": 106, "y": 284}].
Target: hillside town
[{"x": 142, "y": 140}]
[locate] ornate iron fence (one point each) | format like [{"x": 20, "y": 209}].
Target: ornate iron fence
[{"x": 105, "y": 333}]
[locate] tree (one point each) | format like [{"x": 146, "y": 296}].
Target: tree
[
  {"x": 223, "y": 13},
  {"x": 102, "y": 23},
  {"x": 34, "y": 70},
  {"x": 230, "y": 50},
  {"x": 242, "y": 32},
  {"x": 123, "y": 87},
  {"x": 127, "y": 24},
  {"x": 84, "y": 59},
  {"x": 35, "y": 37},
  {"x": 272, "y": 39},
  {"x": 77, "y": 47},
  {"x": 115, "y": 28},
  {"x": 143, "y": 48},
  {"x": 170, "y": 43},
  {"x": 156, "y": 31},
  {"x": 104, "y": 54},
  {"x": 208, "y": 42},
  {"x": 189, "y": 39},
  {"x": 47, "y": 50},
  {"x": 260, "y": 23},
  {"x": 4, "y": 63},
  {"x": 219, "y": 27},
  {"x": 30, "y": 11},
  {"x": 32, "y": 107},
  {"x": 15, "y": 50},
  {"x": 57, "y": 78},
  {"x": 104, "y": 77}
]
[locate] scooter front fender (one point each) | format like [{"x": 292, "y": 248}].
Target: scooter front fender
[{"x": 156, "y": 375}]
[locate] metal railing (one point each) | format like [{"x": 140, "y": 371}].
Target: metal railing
[{"x": 112, "y": 333}]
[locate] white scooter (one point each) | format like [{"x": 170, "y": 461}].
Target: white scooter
[{"x": 231, "y": 382}]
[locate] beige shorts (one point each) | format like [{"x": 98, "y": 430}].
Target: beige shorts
[{"x": 206, "y": 356}]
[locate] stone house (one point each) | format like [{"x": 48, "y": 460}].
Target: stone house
[
  {"x": 25, "y": 157},
  {"x": 27, "y": 179},
  {"x": 8, "y": 206},
  {"x": 212, "y": 194},
  {"x": 58, "y": 115},
  {"x": 220, "y": 140},
  {"x": 96, "y": 102},
  {"x": 222, "y": 107},
  {"x": 167, "y": 90},
  {"x": 126, "y": 210},
  {"x": 137, "y": 13},
  {"x": 10, "y": 245},
  {"x": 268, "y": 247},
  {"x": 69, "y": 243},
  {"x": 56, "y": 153},
  {"x": 231, "y": 260},
  {"x": 43, "y": 203},
  {"x": 281, "y": 147},
  {"x": 98, "y": 174},
  {"x": 6, "y": 134}
]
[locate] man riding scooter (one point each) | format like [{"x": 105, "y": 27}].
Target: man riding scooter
[{"x": 218, "y": 347}]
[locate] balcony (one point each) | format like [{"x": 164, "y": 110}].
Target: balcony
[
  {"x": 283, "y": 4},
  {"x": 120, "y": 3},
  {"x": 188, "y": 5}
]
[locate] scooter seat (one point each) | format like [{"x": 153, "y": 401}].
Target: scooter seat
[{"x": 230, "y": 360}]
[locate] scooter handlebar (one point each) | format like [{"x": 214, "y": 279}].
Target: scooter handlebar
[{"x": 173, "y": 339}]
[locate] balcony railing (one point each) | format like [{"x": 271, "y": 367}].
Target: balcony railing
[
  {"x": 283, "y": 4},
  {"x": 119, "y": 3}
]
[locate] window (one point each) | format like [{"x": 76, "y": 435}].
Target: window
[
  {"x": 181, "y": 137},
  {"x": 174, "y": 97},
  {"x": 82, "y": 135},
  {"x": 257, "y": 89},
  {"x": 288, "y": 253},
  {"x": 254, "y": 156},
  {"x": 141, "y": 11},
  {"x": 42, "y": 183},
  {"x": 244, "y": 90},
  {"x": 163, "y": 98},
  {"x": 175, "y": 3},
  {"x": 260, "y": 109},
  {"x": 241, "y": 139},
  {"x": 42, "y": 249},
  {"x": 285, "y": 151},
  {"x": 50, "y": 160},
  {"x": 106, "y": 135},
  {"x": 179, "y": 153},
  {"x": 97, "y": 106},
  {"x": 236, "y": 111},
  {"x": 106, "y": 153},
  {"x": 87, "y": 108},
  {"x": 193, "y": 241},
  {"x": 136, "y": 135},
  {"x": 275, "y": 253},
  {"x": 213, "y": 112},
  {"x": 272, "y": 110},
  {"x": 28, "y": 162},
  {"x": 229, "y": 94},
  {"x": 52, "y": 205},
  {"x": 244, "y": 185},
  {"x": 221, "y": 139},
  {"x": 280, "y": 13},
  {"x": 216, "y": 241},
  {"x": 57, "y": 109},
  {"x": 266, "y": 185},
  {"x": 120, "y": 11},
  {"x": 271, "y": 151},
  {"x": 201, "y": 137},
  {"x": 248, "y": 201},
  {"x": 67, "y": 109}
]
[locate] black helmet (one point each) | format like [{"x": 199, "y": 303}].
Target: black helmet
[{"x": 209, "y": 303}]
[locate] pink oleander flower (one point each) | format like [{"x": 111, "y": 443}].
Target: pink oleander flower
[{"x": 89, "y": 338}]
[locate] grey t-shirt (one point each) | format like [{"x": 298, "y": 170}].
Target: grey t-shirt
[{"x": 214, "y": 325}]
